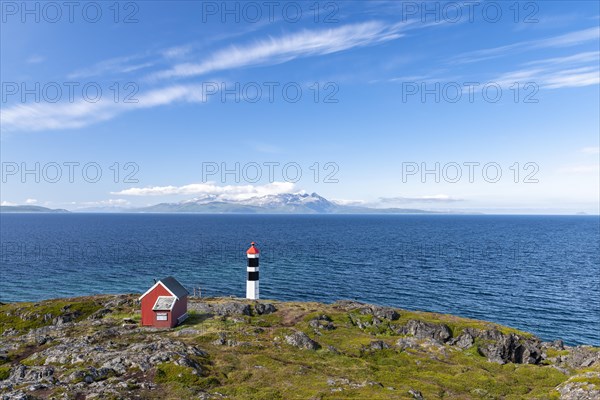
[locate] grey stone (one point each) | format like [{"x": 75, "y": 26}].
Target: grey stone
[
  {"x": 264, "y": 308},
  {"x": 379, "y": 345},
  {"x": 302, "y": 341},
  {"x": 422, "y": 330}
]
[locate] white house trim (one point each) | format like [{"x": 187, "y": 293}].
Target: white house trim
[{"x": 155, "y": 285}]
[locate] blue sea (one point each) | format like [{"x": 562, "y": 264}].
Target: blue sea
[{"x": 536, "y": 273}]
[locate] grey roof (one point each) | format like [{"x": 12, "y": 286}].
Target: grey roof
[
  {"x": 164, "y": 303},
  {"x": 174, "y": 286}
]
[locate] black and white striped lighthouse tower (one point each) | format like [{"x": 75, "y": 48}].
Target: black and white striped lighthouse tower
[{"x": 252, "y": 282}]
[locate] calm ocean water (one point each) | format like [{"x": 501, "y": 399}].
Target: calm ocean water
[{"x": 537, "y": 273}]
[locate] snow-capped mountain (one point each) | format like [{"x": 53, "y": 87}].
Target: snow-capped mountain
[
  {"x": 286, "y": 203},
  {"x": 301, "y": 203}
]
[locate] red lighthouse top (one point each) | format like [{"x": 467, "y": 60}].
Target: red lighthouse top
[{"x": 253, "y": 249}]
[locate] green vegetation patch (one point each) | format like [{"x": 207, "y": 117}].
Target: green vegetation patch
[
  {"x": 25, "y": 316},
  {"x": 4, "y": 372}
]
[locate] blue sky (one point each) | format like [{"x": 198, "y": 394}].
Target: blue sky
[{"x": 400, "y": 89}]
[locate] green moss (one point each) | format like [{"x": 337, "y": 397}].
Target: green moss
[
  {"x": 25, "y": 316},
  {"x": 556, "y": 353},
  {"x": 123, "y": 315},
  {"x": 591, "y": 380},
  {"x": 183, "y": 376},
  {"x": 30, "y": 362},
  {"x": 4, "y": 373}
]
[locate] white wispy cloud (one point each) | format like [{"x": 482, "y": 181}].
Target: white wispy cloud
[
  {"x": 232, "y": 192},
  {"x": 31, "y": 201},
  {"x": 7, "y": 203},
  {"x": 584, "y": 57},
  {"x": 48, "y": 116},
  {"x": 115, "y": 66},
  {"x": 176, "y": 51},
  {"x": 110, "y": 203},
  {"x": 277, "y": 50},
  {"x": 576, "y": 70},
  {"x": 437, "y": 198},
  {"x": 348, "y": 202},
  {"x": 551, "y": 78},
  {"x": 565, "y": 40}
]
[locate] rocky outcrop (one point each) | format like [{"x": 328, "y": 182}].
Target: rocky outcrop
[
  {"x": 378, "y": 345},
  {"x": 223, "y": 309},
  {"x": 321, "y": 322},
  {"x": 581, "y": 387},
  {"x": 426, "y": 330},
  {"x": 380, "y": 312},
  {"x": 582, "y": 357},
  {"x": 264, "y": 308},
  {"x": 231, "y": 308},
  {"x": 302, "y": 341},
  {"x": 464, "y": 341},
  {"x": 106, "y": 354}
]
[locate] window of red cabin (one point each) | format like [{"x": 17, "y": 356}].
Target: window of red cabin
[{"x": 162, "y": 316}]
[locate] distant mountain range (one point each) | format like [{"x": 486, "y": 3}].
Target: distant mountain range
[
  {"x": 296, "y": 203},
  {"x": 30, "y": 209},
  {"x": 289, "y": 203}
]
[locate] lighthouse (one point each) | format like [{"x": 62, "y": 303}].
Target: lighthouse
[{"x": 252, "y": 281}]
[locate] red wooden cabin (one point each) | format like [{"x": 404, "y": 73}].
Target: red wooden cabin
[{"x": 164, "y": 305}]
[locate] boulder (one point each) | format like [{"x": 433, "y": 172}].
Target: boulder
[
  {"x": 223, "y": 309},
  {"x": 464, "y": 341},
  {"x": 511, "y": 348},
  {"x": 388, "y": 313},
  {"x": 264, "y": 308},
  {"x": 424, "y": 330},
  {"x": 417, "y": 395},
  {"x": 380, "y": 312},
  {"x": 100, "y": 313},
  {"x": 302, "y": 341},
  {"x": 321, "y": 322},
  {"x": 187, "y": 332},
  {"x": 580, "y": 387},
  {"x": 407, "y": 343},
  {"x": 232, "y": 308},
  {"x": 379, "y": 345},
  {"x": 583, "y": 357},
  {"x": 65, "y": 318}
]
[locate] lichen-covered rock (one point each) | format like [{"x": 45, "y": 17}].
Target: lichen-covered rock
[
  {"x": 223, "y": 309},
  {"x": 22, "y": 374},
  {"x": 302, "y": 341},
  {"x": 503, "y": 348},
  {"x": 381, "y": 312},
  {"x": 264, "y": 308},
  {"x": 580, "y": 387},
  {"x": 187, "y": 332},
  {"x": 583, "y": 357},
  {"x": 407, "y": 343},
  {"x": 464, "y": 341},
  {"x": 100, "y": 313},
  {"x": 321, "y": 322},
  {"x": 423, "y": 330},
  {"x": 378, "y": 345},
  {"x": 17, "y": 395}
]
